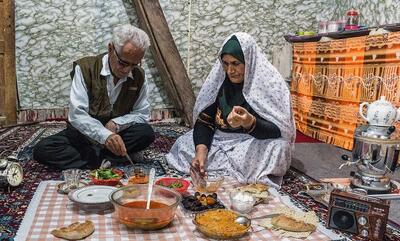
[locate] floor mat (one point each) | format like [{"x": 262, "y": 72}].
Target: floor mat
[{"x": 19, "y": 141}]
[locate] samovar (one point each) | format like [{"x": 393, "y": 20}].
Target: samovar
[{"x": 376, "y": 148}]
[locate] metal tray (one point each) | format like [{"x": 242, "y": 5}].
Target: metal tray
[
  {"x": 348, "y": 34},
  {"x": 299, "y": 39}
]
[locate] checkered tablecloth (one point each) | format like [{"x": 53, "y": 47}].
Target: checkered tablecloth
[{"x": 54, "y": 210}]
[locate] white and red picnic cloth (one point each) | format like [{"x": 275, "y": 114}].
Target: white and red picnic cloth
[{"x": 49, "y": 210}]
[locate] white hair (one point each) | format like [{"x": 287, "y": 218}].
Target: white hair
[{"x": 128, "y": 33}]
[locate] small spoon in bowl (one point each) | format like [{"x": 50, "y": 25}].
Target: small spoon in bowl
[
  {"x": 150, "y": 187},
  {"x": 243, "y": 220}
]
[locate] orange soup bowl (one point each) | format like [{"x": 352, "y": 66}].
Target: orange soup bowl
[{"x": 130, "y": 206}]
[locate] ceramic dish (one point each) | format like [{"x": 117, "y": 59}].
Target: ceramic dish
[
  {"x": 92, "y": 198},
  {"x": 63, "y": 190},
  {"x": 170, "y": 182},
  {"x": 192, "y": 204},
  {"x": 109, "y": 182}
]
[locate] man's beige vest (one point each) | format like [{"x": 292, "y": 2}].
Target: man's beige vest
[{"x": 96, "y": 84}]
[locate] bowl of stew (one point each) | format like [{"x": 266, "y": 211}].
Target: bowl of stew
[{"x": 130, "y": 206}]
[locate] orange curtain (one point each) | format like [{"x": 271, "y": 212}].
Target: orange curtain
[{"x": 330, "y": 79}]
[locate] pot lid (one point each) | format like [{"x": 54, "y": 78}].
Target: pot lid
[{"x": 377, "y": 134}]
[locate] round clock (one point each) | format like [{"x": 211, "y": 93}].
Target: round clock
[{"x": 11, "y": 173}]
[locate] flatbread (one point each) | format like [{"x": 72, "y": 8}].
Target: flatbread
[
  {"x": 290, "y": 224},
  {"x": 75, "y": 231},
  {"x": 266, "y": 223},
  {"x": 255, "y": 187},
  {"x": 258, "y": 190}
]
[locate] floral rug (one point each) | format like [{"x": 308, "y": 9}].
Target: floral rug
[{"x": 19, "y": 141}]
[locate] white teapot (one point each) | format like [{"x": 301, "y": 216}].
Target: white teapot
[{"x": 380, "y": 113}]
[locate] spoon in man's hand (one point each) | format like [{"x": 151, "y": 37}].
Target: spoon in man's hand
[{"x": 129, "y": 158}]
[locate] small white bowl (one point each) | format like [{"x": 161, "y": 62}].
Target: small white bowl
[{"x": 242, "y": 202}]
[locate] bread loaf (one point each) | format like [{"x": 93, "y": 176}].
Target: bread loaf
[{"x": 75, "y": 231}]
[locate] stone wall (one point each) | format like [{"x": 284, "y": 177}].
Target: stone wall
[
  {"x": 372, "y": 12},
  {"x": 51, "y": 34}
]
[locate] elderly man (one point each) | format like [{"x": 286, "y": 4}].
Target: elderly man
[{"x": 108, "y": 109}]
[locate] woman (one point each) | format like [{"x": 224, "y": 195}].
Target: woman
[{"x": 243, "y": 122}]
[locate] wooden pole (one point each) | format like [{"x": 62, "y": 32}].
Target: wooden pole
[
  {"x": 166, "y": 56},
  {"x": 8, "y": 85}
]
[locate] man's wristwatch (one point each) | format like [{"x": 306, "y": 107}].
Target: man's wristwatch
[{"x": 117, "y": 128}]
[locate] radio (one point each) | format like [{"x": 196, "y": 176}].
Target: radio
[{"x": 358, "y": 214}]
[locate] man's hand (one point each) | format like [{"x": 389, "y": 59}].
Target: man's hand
[
  {"x": 239, "y": 116},
  {"x": 116, "y": 145},
  {"x": 200, "y": 158},
  {"x": 112, "y": 126}
]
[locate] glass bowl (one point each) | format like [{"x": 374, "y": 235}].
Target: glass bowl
[
  {"x": 130, "y": 206},
  {"x": 242, "y": 202},
  {"x": 220, "y": 224},
  {"x": 211, "y": 184},
  {"x": 138, "y": 175}
]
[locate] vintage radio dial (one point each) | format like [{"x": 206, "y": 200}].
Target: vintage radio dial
[
  {"x": 364, "y": 233},
  {"x": 362, "y": 220}
]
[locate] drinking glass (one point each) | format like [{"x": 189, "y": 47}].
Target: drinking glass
[{"x": 72, "y": 178}]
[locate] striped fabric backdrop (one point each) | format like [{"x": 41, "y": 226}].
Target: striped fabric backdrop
[{"x": 330, "y": 79}]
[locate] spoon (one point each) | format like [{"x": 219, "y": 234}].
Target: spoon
[
  {"x": 150, "y": 187},
  {"x": 129, "y": 159},
  {"x": 197, "y": 179},
  {"x": 243, "y": 220}
]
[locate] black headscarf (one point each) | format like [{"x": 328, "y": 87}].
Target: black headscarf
[
  {"x": 232, "y": 47},
  {"x": 231, "y": 94}
]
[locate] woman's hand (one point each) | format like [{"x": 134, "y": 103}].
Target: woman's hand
[
  {"x": 116, "y": 145},
  {"x": 200, "y": 158},
  {"x": 239, "y": 116}
]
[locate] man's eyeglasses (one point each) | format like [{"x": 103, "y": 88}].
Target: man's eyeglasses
[{"x": 121, "y": 62}]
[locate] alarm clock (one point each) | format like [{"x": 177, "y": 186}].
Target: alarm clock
[{"x": 11, "y": 173}]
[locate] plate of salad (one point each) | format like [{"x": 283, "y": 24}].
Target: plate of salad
[
  {"x": 177, "y": 184},
  {"x": 106, "y": 176}
]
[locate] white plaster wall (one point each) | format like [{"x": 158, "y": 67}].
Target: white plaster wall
[{"x": 51, "y": 34}]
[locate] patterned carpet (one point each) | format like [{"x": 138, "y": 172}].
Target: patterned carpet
[{"x": 18, "y": 142}]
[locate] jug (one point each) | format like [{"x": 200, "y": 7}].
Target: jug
[{"x": 380, "y": 113}]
